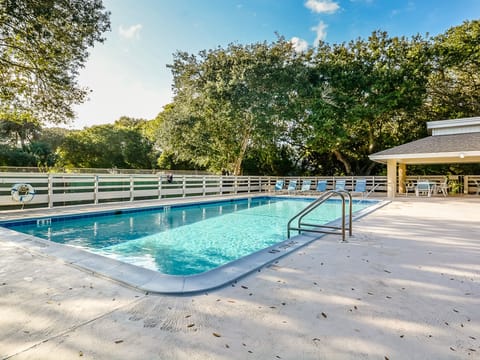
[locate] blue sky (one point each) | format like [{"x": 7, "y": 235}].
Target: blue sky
[{"x": 128, "y": 74}]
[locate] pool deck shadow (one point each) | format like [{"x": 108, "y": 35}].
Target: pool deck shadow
[{"x": 406, "y": 285}]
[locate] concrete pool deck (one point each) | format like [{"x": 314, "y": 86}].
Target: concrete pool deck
[{"x": 405, "y": 286}]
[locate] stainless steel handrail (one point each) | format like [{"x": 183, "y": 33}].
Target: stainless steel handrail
[{"x": 318, "y": 227}]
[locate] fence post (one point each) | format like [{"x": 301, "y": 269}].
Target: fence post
[
  {"x": 184, "y": 186},
  {"x": 159, "y": 186},
  {"x": 95, "y": 189},
  {"x": 221, "y": 185},
  {"x": 50, "y": 190},
  {"x": 132, "y": 188},
  {"x": 204, "y": 186}
]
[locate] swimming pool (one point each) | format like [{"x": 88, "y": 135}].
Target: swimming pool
[{"x": 182, "y": 240}]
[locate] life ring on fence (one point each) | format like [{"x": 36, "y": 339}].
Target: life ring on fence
[{"x": 23, "y": 192}]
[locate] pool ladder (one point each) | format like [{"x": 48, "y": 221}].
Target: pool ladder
[{"x": 319, "y": 228}]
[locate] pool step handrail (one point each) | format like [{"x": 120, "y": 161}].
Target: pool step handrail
[{"x": 319, "y": 228}]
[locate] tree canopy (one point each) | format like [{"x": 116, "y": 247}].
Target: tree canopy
[
  {"x": 231, "y": 101},
  {"x": 376, "y": 86},
  {"x": 123, "y": 144},
  {"x": 325, "y": 109},
  {"x": 264, "y": 108},
  {"x": 43, "y": 44}
]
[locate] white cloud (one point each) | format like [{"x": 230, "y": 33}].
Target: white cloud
[
  {"x": 322, "y": 6},
  {"x": 299, "y": 45},
  {"x": 320, "y": 29},
  {"x": 132, "y": 32}
]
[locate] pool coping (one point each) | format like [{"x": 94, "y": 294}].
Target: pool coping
[{"x": 150, "y": 281}]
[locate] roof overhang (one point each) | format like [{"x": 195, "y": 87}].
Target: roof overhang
[
  {"x": 436, "y": 149},
  {"x": 430, "y": 158}
]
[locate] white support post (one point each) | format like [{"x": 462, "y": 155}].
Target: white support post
[
  {"x": 204, "y": 186},
  {"x": 50, "y": 190},
  {"x": 391, "y": 178},
  {"x": 402, "y": 177},
  {"x": 159, "y": 186},
  {"x": 221, "y": 185},
  {"x": 184, "y": 186},
  {"x": 95, "y": 189},
  {"x": 132, "y": 188}
]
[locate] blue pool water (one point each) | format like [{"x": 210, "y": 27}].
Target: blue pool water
[{"x": 182, "y": 240}]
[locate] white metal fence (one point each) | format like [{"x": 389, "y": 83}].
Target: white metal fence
[{"x": 52, "y": 190}]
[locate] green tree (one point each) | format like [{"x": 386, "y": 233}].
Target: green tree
[
  {"x": 454, "y": 86},
  {"x": 43, "y": 44},
  {"x": 121, "y": 145},
  {"x": 14, "y": 156},
  {"x": 263, "y": 108},
  {"x": 18, "y": 129},
  {"x": 374, "y": 89},
  {"x": 229, "y": 102}
]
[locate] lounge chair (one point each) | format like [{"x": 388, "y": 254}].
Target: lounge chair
[
  {"x": 321, "y": 186},
  {"x": 292, "y": 186},
  {"x": 360, "y": 187},
  {"x": 340, "y": 184},
  {"x": 424, "y": 187},
  {"x": 279, "y": 185},
  {"x": 306, "y": 184}
]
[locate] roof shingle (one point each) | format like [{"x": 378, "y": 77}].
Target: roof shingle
[{"x": 436, "y": 144}]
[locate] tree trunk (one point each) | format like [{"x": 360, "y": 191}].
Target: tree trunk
[
  {"x": 237, "y": 170},
  {"x": 346, "y": 164}
]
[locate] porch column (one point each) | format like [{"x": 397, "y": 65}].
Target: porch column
[
  {"x": 391, "y": 178},
  {"x": 402, "y": 177}
]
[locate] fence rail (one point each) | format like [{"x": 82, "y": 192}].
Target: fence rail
[
  {"x": 62, "y": 189},
  {"x": 53, "y": 190}
]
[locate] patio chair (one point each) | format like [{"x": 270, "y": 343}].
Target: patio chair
[
  {"x": 423, "y": 187},
  {"x": 321, "y": 186},
  {"x": 360, "y": 187},
  {"x": 292, "y": 186},
  {"x": 279, "y": 185},
  {"x": 340, "y": 184},
  {"x": 443, "y": 188},
  {"x": 409, "y": 186},
  {"x": 306, "y": 184}
]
